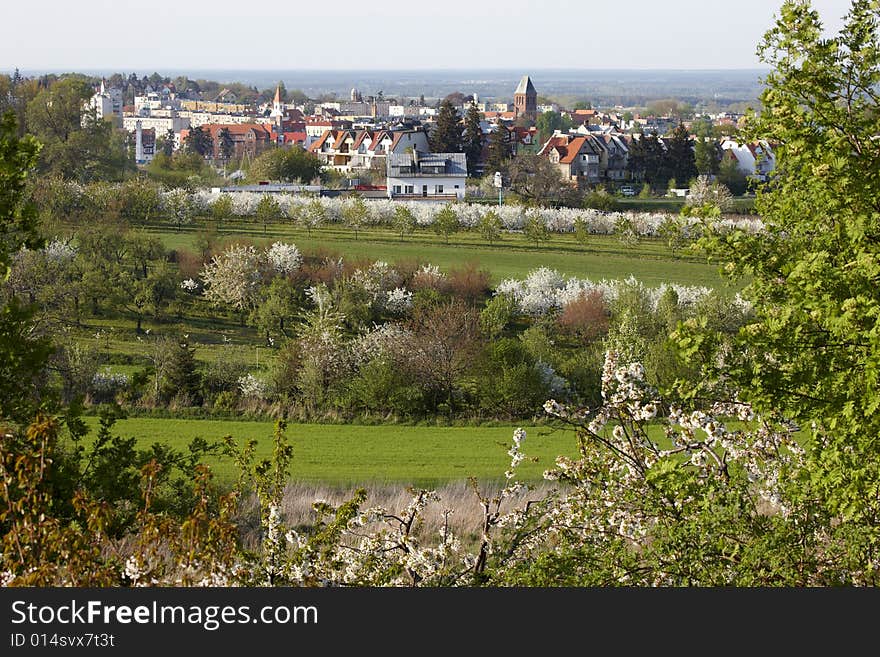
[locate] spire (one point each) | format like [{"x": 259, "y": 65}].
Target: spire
[{"x": 277, "y": 100}]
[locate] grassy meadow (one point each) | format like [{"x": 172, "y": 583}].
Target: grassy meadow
[
  {"x": 345, "y": 455},
  {"x": 603, "y": 257}
]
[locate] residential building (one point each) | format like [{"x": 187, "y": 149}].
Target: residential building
[
  {"x": 346, "y": 150},
  {"x": 106, "y": 103},
  {"x": 755, "y": 159},
  {"x": 429, "y": 176},
  {"x": 248, "y": 139},
  {"x": 160, "y": 124},
  {"x": 577, "y": 157},
  {"x": 144, "y": 144}
]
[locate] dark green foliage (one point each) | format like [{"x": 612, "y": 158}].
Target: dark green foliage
[
  {"x": 707, "y": 156},
  {"x": 199, "y": 141},
  {"x": 182, "y": 378},
  {"x": 511, "y": 384},
  {"x": 680, "y": 155},
  {"x": 499, "y": 150},
  {"x": 472, "y": 141},
  {"x": 446, "y": 136}
]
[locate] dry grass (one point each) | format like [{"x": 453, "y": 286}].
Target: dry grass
[{"x": 466, "y": 521}]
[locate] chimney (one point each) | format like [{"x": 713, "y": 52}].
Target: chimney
[{"x": 415, "y": 155}]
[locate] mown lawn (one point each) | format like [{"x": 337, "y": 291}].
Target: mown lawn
[{"x": 354, "y": 454}]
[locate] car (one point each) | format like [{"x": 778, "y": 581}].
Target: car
[{"x": 627, "y": 191}]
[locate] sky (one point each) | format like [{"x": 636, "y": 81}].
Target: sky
[{"x": 121, "y": 35}]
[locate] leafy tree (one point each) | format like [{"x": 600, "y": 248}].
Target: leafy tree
[
  {"x": 355, "y": 213},
  {"x": 647, "y": 160},
  {"x": 812, "y": 349},
  {"x": 446, "y": 136},
  {"x": 581, "y": 231},
  {"x": 233, "y": 278},
  {"x": 23, "y": 355},
  {"x": 285, "y": 165},
  {"x": 490, "y": 226},
  {"x": 535, "y": 229},
  {"x": 672, "y": 231},
  {"x": 731, "y": 176},
  {"x": 179, "y": 207},
  {"x": 267, "y": 211},
  {"x": 181, "y": 170},
  {"x": 76, "y": 144},
  {"x": 313, "y": 215},
  {"x": 536, "y": 179},
  {"x": 446, "y": 222},
  {"x": 165, "y": 143},
  {"x": 140, "y": 201},
  {"x": 404, "y": 220},
  {"x": 276, "y": 309},
  {"x": 222, "y": 209},
  {"x": 549, "y": 122},
  {"x": 472, "y": 140}
]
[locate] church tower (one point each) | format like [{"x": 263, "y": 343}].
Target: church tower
[
  {"x": 277, "y": 106},
  {"x": 525, "y": 99}
]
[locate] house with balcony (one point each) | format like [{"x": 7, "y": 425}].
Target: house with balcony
[
  {"x": 348, "y": 150},
  {"x": 419, "y": 175}
]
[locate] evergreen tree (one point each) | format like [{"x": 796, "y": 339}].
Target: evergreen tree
[
  {"x": 446, "y": 137},
  {"x": 473, "y": 139},
  {"x": 227, "y": 147},
  {"x": 199, "y": 141},
  {"x": 680, "y": 155},
  {"x": 499, "y": 150},
  {"x": 182, "y": 378},
  {"x": 707, "y": 156}
]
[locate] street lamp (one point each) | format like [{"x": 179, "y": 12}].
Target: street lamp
[{"x": 498, "y": 183}]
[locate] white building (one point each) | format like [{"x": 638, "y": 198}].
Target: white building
[
  {"x": 429, "y": 176},
  {"x": 160, "y": 124},
  {"x": 755, "y": 159},
  {"x": 106, "y": 103}
]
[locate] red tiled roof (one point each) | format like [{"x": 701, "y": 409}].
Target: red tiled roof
[
  {"x": 573, "y": 148},
  {"x": 377, "y": 140},
  {"x": 316, "y": 146}
]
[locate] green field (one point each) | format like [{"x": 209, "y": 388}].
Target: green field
[
  {"x": 353, "y": 454},
  {"x": 603, "y": 257}
]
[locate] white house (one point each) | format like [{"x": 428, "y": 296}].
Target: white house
[
  {"x": 106, "y": 104},
  {"x": 432, "y": 176},
  {"x": 755, "y": 159}
]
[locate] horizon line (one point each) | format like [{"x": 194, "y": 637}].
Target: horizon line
[{"x": 48, "y": 69}]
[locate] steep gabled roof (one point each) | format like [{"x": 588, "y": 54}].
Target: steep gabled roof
[
  {"x": 316, "y": 146},
  {"x": 525, "y": 86}
]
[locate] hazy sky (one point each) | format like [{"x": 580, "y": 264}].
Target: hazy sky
[{"x": 378, "y": 34}]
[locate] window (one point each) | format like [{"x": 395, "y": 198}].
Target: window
[
  {"x": 397, "y": 189},
  {"x": 408, "y": 189},
  {"x": 439, "y": 189}
]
